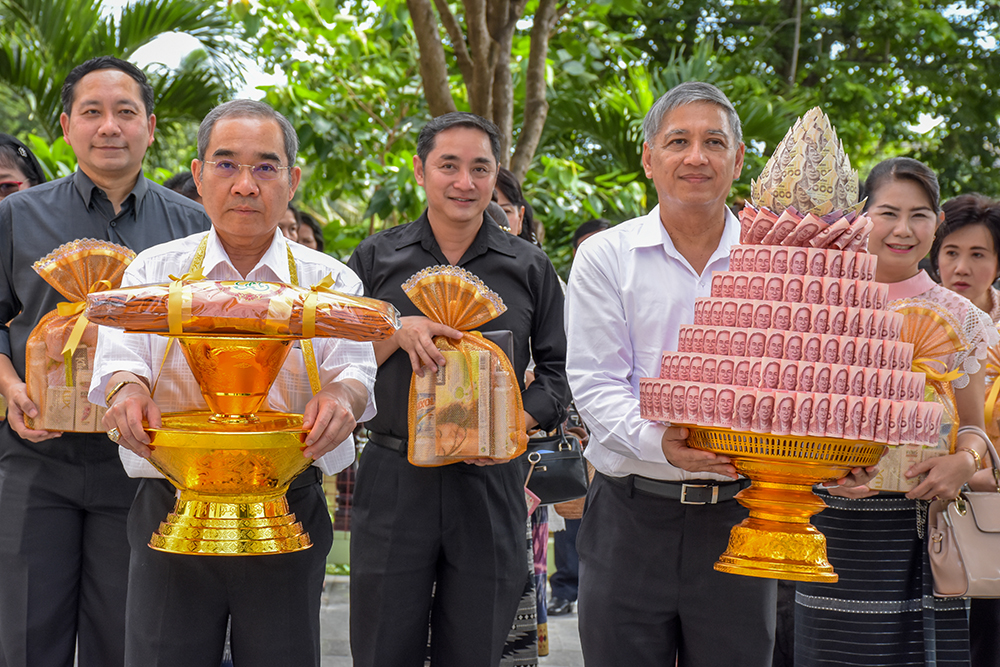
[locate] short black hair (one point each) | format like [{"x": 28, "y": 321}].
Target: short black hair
[
  {"x": 310, "y": 222},
  {"x": 14, "y": 153},
  {"x": 106, "y": 62},
  {"x": 965, "y": 211},
  {"x": 511, "y": 189},
  {"x": 183, "y": 183},
  {"x": 425, "y": 140},
  {"x": 589, "y": 227}
]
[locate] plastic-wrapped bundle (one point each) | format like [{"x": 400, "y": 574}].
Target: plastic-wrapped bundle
[
  {"x": 59, "y": 358},
  {"x": 471, "y": 407},
  {"x": 243, "y": 308}
]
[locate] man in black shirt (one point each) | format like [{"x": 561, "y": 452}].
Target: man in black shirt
[
  {"x": 64, "y": 498},
  {"x": 448, "y": 543}
]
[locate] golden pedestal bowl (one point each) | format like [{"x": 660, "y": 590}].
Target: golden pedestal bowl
[
  {"x": 777, "y": 541},
  {"x": 233, "y": 463},
  {"x": 232, "y": 480}
]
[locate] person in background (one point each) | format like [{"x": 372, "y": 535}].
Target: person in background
[
  {"x": 64, "y": 498},
  {"x": 289, "y": 224},
  {"x": 183, "y": 183},
  {"x": 19, "y": 168},
  {"x": 565, "y": 580},
  {"x": 309, "y": 232},
  {"x": 511, "y": 199},
  {"x": 965, "y": 258},
  {"x": 882, "y": 610}
]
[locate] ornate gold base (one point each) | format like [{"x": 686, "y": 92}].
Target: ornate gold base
[
  {"x": 209, "y": 527},
  {"x": 777, "y": 541},
  {"x": 232, "y": 479}
]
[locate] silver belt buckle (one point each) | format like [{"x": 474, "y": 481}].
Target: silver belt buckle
[{"x": 684, "y": 490}]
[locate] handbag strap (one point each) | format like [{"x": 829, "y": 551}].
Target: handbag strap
[{"x": 990, "y": 449}]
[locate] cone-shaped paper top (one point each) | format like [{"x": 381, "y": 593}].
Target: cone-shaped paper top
[{"x": 809, "y": 171}]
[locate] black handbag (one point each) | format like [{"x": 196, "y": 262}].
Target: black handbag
[{"x": 554, "y": 468}]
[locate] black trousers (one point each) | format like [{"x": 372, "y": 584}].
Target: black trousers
[
  {"x": 984, "y": 631},
  {"x": 453, "y": 534},
  {"x": 648, "y": 593},
  {"x": 566, "y": 579},
  {"x": 178, "y": 605},
  {"x": 63, "y": 551}
]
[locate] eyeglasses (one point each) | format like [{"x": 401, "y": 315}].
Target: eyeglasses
[
  {"x": 9, "y": 188},
  {"x": 262, "y": 171}
]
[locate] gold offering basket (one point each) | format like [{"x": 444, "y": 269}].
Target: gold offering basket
[
  {"x": 232, "y": 464},
  {"x": 777, "y": 541}
]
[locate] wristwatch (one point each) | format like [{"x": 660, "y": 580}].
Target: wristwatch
[{"x": 117, "y": 388}]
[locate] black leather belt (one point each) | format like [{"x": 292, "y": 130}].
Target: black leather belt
[
  {"x": 388, "y": 442},
  {"x": 699, "y": 492}
]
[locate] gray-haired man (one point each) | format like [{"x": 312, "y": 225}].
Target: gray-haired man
[{"x": 659, "y": 513}]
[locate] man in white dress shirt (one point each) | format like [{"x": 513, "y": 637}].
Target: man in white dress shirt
[
  {"x": 178, "y": 605},
  {"x": 659, "y": 512}
]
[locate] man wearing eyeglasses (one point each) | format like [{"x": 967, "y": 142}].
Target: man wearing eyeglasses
[
  {"x": 64, "y": 497},
  {"x": 178, "y": 605}
]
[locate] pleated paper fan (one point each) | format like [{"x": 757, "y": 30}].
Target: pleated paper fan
[
  {"x": 453, "y": 296},
  {"x": 73, "y": 268}
]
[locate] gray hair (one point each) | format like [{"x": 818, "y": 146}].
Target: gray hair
[
  {"x": 247, "y": 109},
  {"x": 688, "y": 93}
]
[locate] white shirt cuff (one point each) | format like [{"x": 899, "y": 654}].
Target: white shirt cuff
[{"x": 651, "y": 442}]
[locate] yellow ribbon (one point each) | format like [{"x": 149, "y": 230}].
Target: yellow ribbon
[
  {"x": 308, "y": 353},
  {"x": 310, "y": 305},
  {"x": 994, "y": 393},
  {"x": 923, "y": 365},
  {"x": 175, "y": 299},
  {"x": 69, "y": 309}
]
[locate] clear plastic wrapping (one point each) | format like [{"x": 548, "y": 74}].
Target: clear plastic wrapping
[
  {"x": 59, "y": 359},
  {"x": 471, "y": 407},
  {"x": 241, "y": 308}
]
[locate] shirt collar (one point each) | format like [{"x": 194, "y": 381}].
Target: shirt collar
[
  {"x": 86, "y": 187},
  {"x": 651, "y": 233},
  {"x": 911, "y": 287},
  {"x": 275, "y": 259},
  {"x": 490, "y": 236}
]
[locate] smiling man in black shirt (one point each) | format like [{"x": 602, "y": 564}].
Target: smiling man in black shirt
[
  {"x": 449, "y": 537},
  {"x": 64, "y": 498}
]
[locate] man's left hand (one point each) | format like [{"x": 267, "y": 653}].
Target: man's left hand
[{"x": 332, "y": 414}]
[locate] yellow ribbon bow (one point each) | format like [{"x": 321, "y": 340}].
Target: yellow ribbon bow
[
  {"x": 175, "y": 299},
  {"x": 69, "y": 309},
  {"x": 311, "y": 303},
  {"x": 923, "y": 365}
]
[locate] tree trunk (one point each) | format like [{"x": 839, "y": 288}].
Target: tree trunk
[
  {"x": 536, "y": 107},
  {"x": 795, "y": 44},
  {"x": 433, "y": 67}
]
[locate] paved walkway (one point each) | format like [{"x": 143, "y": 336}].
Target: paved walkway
[{"x": 564, "y": 641}]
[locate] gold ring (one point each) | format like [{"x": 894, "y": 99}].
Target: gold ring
[{"x": 114, "y": 434}]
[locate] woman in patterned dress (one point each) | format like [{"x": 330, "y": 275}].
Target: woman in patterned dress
[{"x": 882, "y": 611}]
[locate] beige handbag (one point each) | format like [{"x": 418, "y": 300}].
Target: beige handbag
[{"x": 964, "y": 541}]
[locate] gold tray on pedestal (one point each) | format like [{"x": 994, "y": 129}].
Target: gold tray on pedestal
[
  {"x": 777, "y": 541},
  {"x": 232, "y": 480}
]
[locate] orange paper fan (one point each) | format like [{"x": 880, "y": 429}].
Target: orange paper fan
[
  {"x": 454, "y": 297},
  {"x": 75, "y": 267},
  {"x": 933, "y": 331}
]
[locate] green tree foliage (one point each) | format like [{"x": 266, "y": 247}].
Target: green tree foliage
[
  {"x": 879, "y": 68},
  {"x": 42, "y": 40}
]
